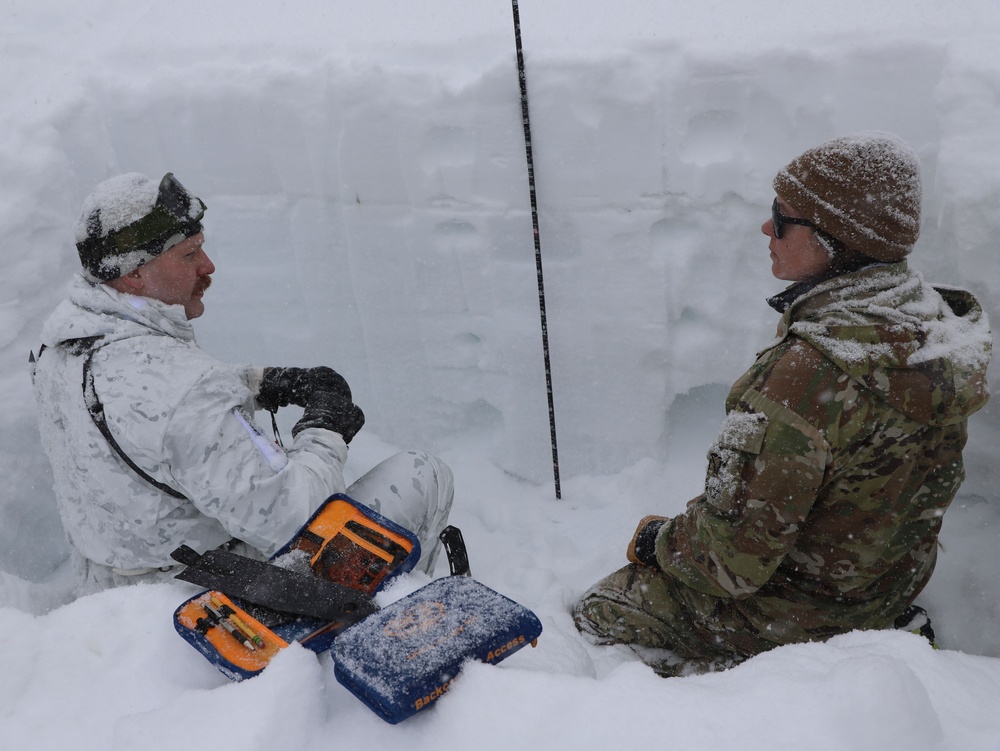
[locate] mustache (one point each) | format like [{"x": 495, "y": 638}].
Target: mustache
[{"x": 203, "y": 284}]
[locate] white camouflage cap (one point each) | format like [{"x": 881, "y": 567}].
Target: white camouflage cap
[{"x": 128, "y": 220}]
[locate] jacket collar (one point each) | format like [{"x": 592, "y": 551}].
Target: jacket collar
[
  {"x": 95, "y": 309},
  {"x": 784, "y": 300}
]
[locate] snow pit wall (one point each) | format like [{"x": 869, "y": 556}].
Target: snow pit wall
[{"x": 376, "y": 219}]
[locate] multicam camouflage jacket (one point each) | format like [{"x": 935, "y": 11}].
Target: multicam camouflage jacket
[{"x": 840, "y": 452}]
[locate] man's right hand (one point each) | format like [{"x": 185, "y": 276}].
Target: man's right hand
[
  {"x": 642, "y": 548},
  {"x": 283, "y": 386}
]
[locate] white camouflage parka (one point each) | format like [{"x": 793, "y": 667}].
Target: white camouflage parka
[{"x": 182, "y": 417}]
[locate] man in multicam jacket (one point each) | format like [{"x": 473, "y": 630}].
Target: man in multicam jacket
[
  {"x": 842, "y": 445},
  {"x": 153, "y": 442}
]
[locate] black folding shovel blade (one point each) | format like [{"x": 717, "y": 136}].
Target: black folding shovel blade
[{"x": 270, "y": 586}]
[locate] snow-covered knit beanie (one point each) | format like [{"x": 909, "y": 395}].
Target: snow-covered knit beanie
[
  {"x": 129, "y": 220},
  {"x": 863, "y": 189}
]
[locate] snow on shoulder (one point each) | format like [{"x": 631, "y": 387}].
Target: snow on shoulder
[{"x": 938, "y": 322}]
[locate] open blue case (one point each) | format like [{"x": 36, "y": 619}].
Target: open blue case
[{"x": 343, "y": 542}]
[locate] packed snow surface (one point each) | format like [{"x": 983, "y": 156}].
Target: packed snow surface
[{"x": 365, "y": 175}]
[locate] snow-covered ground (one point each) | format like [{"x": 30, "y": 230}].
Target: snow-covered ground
[{"x": 364, "y": 170}]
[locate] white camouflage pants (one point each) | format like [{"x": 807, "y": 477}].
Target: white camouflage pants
[
  {"x": 411, "y": 488},
  {"x": 415, "y": 490}
]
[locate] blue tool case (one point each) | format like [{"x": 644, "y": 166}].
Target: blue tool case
[{"x": 401, "y": 659}]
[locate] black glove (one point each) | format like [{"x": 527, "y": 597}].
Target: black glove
[
  {"x": 331, "y": 411},
  {"x": 642, "y": 548},
  {"x": 283, "y": 386}
]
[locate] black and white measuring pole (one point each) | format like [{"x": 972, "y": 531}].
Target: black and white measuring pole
[{"x": 538, "y": 244}]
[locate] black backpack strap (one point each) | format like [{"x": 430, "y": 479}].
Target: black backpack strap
[{"x": 96, "y": 408}]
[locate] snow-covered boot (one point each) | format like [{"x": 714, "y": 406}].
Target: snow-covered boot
[{"x": 915, "y": 620}]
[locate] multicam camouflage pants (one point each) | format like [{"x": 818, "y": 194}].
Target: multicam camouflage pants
[{"x": 674, "y": 629}]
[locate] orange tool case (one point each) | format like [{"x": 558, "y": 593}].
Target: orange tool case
[{"x": 313, "y": 588}]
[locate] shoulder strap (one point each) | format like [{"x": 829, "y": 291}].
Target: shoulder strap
[{"x": 96, "y": 408}]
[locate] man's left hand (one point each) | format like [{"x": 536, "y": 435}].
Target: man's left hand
[{"x": 283, "y": 386}]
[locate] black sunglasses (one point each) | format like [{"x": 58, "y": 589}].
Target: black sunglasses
[{"x": 780, "y": 220}]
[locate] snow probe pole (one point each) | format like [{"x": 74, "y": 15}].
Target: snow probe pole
[{"x": 538, "y": 245}]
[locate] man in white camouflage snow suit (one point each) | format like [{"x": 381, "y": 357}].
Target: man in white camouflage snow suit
[
  {"x": 842, "y": 445},
  {"x": 153, "y": 442}
]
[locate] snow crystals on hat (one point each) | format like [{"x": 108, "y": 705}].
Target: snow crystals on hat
[
  {"x": 115, "y": 204},
  {"x": 863, "y": 189}
]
